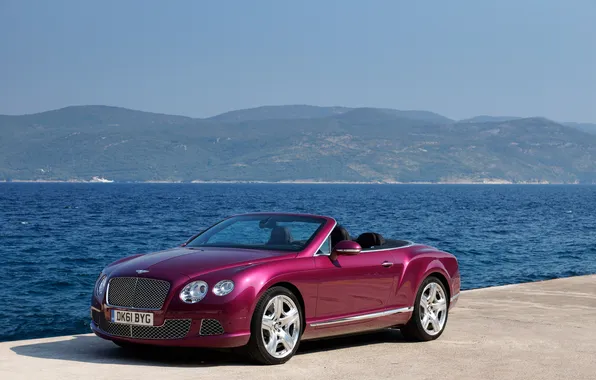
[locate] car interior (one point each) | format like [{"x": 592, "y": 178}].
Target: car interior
[
  {"x": 280, "y": 236},
  {"x": 368, "y": 240}
]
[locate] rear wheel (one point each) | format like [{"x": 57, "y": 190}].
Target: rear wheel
[
  {"x": 431, "y": 309},
  {"x": 276, "y": 327}
]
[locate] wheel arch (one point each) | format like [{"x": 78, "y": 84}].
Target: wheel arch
[
  {"x": 444, "y": 281},
  {"x": 292, "y": 288},
  {"x": 413, "y": 329},
  {"x": 418, "y": 269}
]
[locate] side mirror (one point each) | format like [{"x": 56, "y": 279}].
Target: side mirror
[{"x": 345, "y": 248}]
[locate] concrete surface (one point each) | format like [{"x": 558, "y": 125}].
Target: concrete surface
[{"x": 544, "y": 330}]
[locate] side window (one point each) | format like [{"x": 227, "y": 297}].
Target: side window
[{"x": 325, "y": 248}]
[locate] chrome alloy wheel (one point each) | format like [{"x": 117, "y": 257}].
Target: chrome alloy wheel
[
  {"x": 433, "y": 309},
  {"x": 280, "y": 327}
]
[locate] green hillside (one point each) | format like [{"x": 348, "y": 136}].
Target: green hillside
[{"x": 291, "y": 143}]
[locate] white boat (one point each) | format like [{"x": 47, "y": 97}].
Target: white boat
[{"x": 100, "y": 180}]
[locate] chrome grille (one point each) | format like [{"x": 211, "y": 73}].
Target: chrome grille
[
  {"x": 211, "y": 327},
  {"x": 171, "y": 329},
  {"x": 122, "y": 291},
  {"x": 137, "y": 292}
]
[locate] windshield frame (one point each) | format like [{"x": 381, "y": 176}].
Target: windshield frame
[{"x": 219, "y": 226}]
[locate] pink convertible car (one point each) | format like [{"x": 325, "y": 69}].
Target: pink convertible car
[{"x": 266, "y": 281}]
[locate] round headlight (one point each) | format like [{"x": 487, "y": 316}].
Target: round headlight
[
  {"x": 223, "y": 287},
  {"x": 194, "y": 292},
  {"x": 100, "y": 287}
]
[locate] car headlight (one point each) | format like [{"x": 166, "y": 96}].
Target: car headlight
[
  {"x": 223, "y": 287},
  {"x": 100, "y": 287},
  {"x": 194, "y": 292}
]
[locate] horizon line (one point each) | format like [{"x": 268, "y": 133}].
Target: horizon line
[{"x": 292, "y": 105}]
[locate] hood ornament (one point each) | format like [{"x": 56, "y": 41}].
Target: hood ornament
[{"x": 141, "y": 271}]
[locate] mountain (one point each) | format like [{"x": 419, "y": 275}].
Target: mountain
[
  {"x": 279, "y": 113},
  {"x": 586, "y": 127},
  {"x": 78, "y": 117},
  {"x": 291, "y": 143},
  {"x": 292, "y": 112},
  {"x": 372, "y": 114},
  {"x": 488, "y": 119}
]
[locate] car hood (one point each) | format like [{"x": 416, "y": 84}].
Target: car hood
[{"x": 193, "y": 261}]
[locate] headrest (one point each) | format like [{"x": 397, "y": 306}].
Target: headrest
[
  {"x": 338, "y": 234},
  {"x": 280, "y": 236},
  {"x": 370, "y": 239}
]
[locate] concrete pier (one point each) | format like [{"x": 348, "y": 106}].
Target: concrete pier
[{"x": 543, "y": 330}]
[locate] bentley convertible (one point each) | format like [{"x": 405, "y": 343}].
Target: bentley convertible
[{"x": 266, "y": 281}]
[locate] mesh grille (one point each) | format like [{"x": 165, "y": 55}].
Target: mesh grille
[
  {"x": 137, "y": 292},
  {"x": 95, "y": 315},
  {"x": 116, "y": 329},
  {"x": 171, "y": 329},
  {"x": 122, "y": 291},
  {"x": 211, "y": 327}
]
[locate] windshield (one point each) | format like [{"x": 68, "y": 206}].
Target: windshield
[{"x": 269, "y": 232}]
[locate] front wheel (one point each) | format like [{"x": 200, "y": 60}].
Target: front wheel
[
  {"x": 276, "y": 327},
  {"x": 430, "y": 313}
]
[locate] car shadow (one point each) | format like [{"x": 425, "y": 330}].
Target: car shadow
[
  {"x": 352, "y": 340},
  {"x": 91, "y": 349}
]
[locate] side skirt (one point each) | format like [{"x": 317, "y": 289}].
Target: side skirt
[{"x": 362, "y": 317}]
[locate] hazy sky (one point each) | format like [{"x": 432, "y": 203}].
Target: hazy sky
[{"x": 200, "y": 58}]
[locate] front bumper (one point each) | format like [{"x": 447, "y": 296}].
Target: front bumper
[{"x": 175, "y": 329}]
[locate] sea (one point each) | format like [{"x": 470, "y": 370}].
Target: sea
[{"x": 55, "y": 238}]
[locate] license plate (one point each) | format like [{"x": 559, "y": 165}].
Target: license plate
[{"x": 132, "y": 318}]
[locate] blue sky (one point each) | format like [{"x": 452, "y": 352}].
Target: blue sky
[{"x": 199, "y": 58}]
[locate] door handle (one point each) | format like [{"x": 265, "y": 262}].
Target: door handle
[{"x": 387, "y": 264}]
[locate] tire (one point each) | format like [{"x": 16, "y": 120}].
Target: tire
[
  {"x": 273, "y": 329},
  {"x": 421, "y": 328}
]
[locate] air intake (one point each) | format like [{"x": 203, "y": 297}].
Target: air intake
[{"x": 211, "y": 327}]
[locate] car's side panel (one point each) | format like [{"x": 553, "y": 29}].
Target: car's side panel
[
  {"x": 353, "y": 284},
  {"x": 353, "y": 293}
]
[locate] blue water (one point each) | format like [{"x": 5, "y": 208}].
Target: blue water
[{"x": 55, "y": 238}]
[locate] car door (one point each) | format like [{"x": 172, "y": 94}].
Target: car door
[{"x": 354, "y": 284}]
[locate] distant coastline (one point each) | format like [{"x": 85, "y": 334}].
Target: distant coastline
[
  {"x": 294, "y": 144},
  {"x": 304, "y": 182}
]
